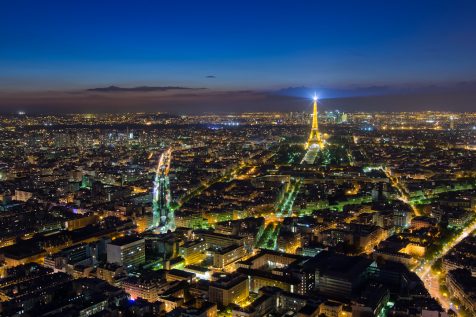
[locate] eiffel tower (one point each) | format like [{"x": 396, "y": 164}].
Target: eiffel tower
[{"x": 314, "y": 140}]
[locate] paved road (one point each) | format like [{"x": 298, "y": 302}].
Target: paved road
[{"x": 431, "y": 279}]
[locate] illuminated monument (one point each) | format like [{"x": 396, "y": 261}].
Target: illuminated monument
[
  {"x": 315, "y": 140},
  {"x": 163, "y": 215}
]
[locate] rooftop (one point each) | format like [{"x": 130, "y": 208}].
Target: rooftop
[{"x": 125, "y": 240}]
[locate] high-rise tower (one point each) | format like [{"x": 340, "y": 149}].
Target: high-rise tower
[
  {"x": 163, "y": 215},
  {"x": 452, "y": 123},
  {"x": 315, "y": 140}
]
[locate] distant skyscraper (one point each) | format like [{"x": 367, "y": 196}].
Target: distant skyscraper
[
  {"x": 452, "y": 123},
  {"x": 341, "y": 117}
]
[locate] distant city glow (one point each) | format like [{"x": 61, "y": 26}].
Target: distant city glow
[{"x": 238, "y": 195}]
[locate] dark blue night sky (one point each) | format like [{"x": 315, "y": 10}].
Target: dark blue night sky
[{"x": 235, "y": 45}]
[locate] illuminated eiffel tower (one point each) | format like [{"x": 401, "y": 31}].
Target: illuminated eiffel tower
[{"x": 314, "y": 140}]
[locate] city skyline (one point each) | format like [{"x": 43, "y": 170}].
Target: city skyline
[
  {"x": 334, "y": 213},
  {"x": 237, "y": 158}
]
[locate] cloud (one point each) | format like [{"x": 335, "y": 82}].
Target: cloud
[
  {"x": 141, "y": 89},
  {"x": 210, "y": 76},
  {"x": 377, "y": 90},
  {"x": 461, "y": 97},
  {"x": 457, "y": 101}
]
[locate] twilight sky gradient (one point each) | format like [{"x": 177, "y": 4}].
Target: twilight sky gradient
[{"x": 362, "y": 48}]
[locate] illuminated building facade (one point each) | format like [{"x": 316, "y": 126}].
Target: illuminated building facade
[
  {"x": 137, "y": 288},
  {"x": 193, "y": 252},
  {"x": 161, "y": 198},
  {"x": 228, "y": 255},
  {"x": 229, "y": 289},
  {"x": 128, "y": 252}
]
